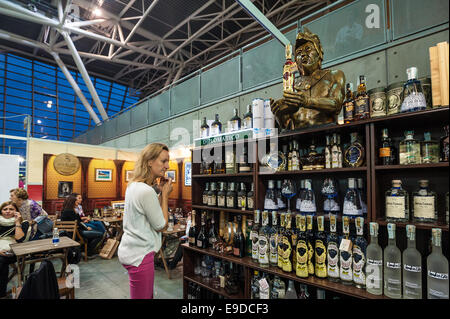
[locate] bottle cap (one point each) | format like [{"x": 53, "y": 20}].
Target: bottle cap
[
  {"x": 411, "y": 232},
  {"x": 423, "y": 182},
  {"x": 373, "y": 229},
  {"x": 427, "y": 136},
  {"x": 391, "y": 230},
  {"x": 359, "y": 223},
  {"x": 351, "y": 182},
  {"x": 396, "y": 182},
  {"x": 436, "y": 236},
  {"x": 332, "y": 223},
  {"x": 412, "y": 73}
]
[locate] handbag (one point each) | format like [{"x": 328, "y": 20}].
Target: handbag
[{"x": 45, "y": 225}]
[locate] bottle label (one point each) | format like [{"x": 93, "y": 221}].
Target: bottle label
[
  {"x": 301, "y": 268},
  {"x": 351, "y": 209},
  {"x": 247, "y": 122},
  {"x": 204, "y": 133},
  {"x": 274, "y": 249},
  {"x": 330, "y": 205},
  {"x": 424, "y": 206},
  {"x": 233, "y": 126},
  {"x": 394, "y": 99},
  {"x": 307, "y": 206},
  {"x": 212, "y": 201},
  {"x": 255, "y": 248},
  {"x": 437, "y": 294},
  {"x": 199, "y": 243},
  {"x": 437, "y": 275},
  {"x": 385, "y": 152},
  {"x": 321, "y": 255},
  {"x": 353, "y": 155},
  {"x": 359, "y": 261},
  {"x": 191, "y": 240},
  {"x": 395, "y": 206},
  {"x": 412, "y": 268},
  {"x": 374, "y": 262},
  {"x": 242, "y": 201},
  {"x": 333, "y": 259},
  {"x": 269, "y": 204},
  {"x": 281, "y": 203},
  {"x": 327, "y": 158},
  {"x": 221, "y": 201},
  {"x": 205, "y": 199},
  {"x": 349, "y": 109},
  {"x": 345, "y": 271},
  {"x": 378, "y": 102},
  {"x": 264, "y": 290},
  {"x": 362, "y": 105},
  {"x": 236, "y": 251},
  {"x": 263, "y": 249},
  {"x": 250, "y": 202},
  {"x": 287, "y": 265},
  {"x": 230, "y": 201},
  {"x": 215, "y": 130},
  {"x": 393, "y": 265}
]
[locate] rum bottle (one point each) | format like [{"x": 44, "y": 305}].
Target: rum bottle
[
  {"x": 374, "y": 267},
  {"x": 349, "y": 104},
  {"x": 333, "y": 251},
  {"x": 354, "y": 154},
  {"x": 362, "y": 104},
  {"x": 386, "y": 152},
  {"x": 392, "y": 266},
  {"x": 437, "y": 269},
  {"x": 359, "y": 255},
  {"x": 320, "y": 249},
  {"x": 273, "y": 257},
  {"x": 412, "y": 267},
  {"x": 204, "y": 129}
]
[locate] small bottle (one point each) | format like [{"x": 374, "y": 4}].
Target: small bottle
[
  {"x": 412, "y": 267},
  {"x": 291, "y": 293},
  {"x": 281, "y": 202},
  {"x": 387, "y": 152},
  {"x": 216, "y": 126},
  {"x": 204, "y": 129},
  {"x": 437, "y": 269},
  {"x": 247, "y": 121},
  {"x": 55, "y": 239},
  {"x": 278, "y": 289},
  {"x": 352, "y": 203},
  {"x": 254, "y": 236},
  {"x": 359, "y": 255},
  {"x": 425, "y": 204},
  {"x": 212, "y": 234},
  {"x": 392, "y": 266},
  {"x": 409, "y": 150},
  {"x": 288, "y": 71},
  {"x": 444, "y": 146},
  {"x": 336, "y": 153},
  {"x": 333, "y": 251},
  {"x": 413, "y": 98},
  {"x": 201, "y": 238},
  {"x": 354, "y": 154},
  {"x": 301, "y": 266},
  {"x": 362, "y": 104},
  {"x": 374, "y": 267},
  {"x": 234, "y": 124},
  {"x": 349, "y": 104},
  {"x": 429, "y": 149},
  {"x": 242, "y": 197},
  {"x": 397, "y": 203},
  {"x": 295, "y": 157},
  {"x": 328, "y": 152}
]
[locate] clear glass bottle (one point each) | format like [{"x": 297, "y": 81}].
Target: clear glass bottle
[
  {"x": 437, "y": 269},
  {"x": 216, "y": 126},
  {"x": 412, "y": 267},
  {"x": 320, "y": 249},
  {"x": 429, "y": 149},
  {"x": 231, "y": 165},
  {"x": 213, "y": 238},
  {"x": 291, "y": 293},
  {"x": 231, "y": 196},
  {"x": 352, "y": 204},
  {"x": 242, "y": 197},
  {"x": 333, "y": 251},
  {"x": 250, "y": 194},
  {"x": 278, "y": 289},
  {"x": 349, "y": 104},
  {"x": 202, "y": 240},
  {"x": 295, "y": 166},
  {"x": 254, "y": 236},
  {"x": 362, "y": 104},
  {"x": 345, "y": 256},
  {"x": 221, "y": 195},
  {"x": 336, "y": 152},
  {"x": 204, "y": 129},
  {"x": 362, "y": 196},
  {"x": 212, "y": 195},
  {"x": 270, "y": 200},
  {"x": 281, "y": 202},
  {"x": 330, "y": 192},
  {"x": 247, "y": 121},
  {"x": 413, "y": 98},
  {"x": 265, "y": 286},
  {"x": 392, "y": 266},
  {"x": 354, "y": 155},
  {"x": 425, "y": 203},
  {"x": 301, "y": 251},
  {"x": 359, "y": 255},
  {"x": 263, "y": 243},
  {"x": 273, "y": 238},
  {"x": 308, "y": 199},
  {"x": 374, "y": 267},
  {"x": 327, "y": 152},
  {"x": 444, "y": 146},
  {"x": 299, "y": 198},
  {"x": 387, "y": 152},
  {"x": 205, "y": 195},
  {"x": 397, "y": 203},
  {"x": 234, "y": 124},
  {"x": 409, "y": 150}
]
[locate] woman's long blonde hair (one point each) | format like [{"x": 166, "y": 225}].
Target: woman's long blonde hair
[{"x": 141, "y": 171}]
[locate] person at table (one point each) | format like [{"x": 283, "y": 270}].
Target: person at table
[
  {"x": 28, "y": 208},
  {"x": 94, "y": 224},
  {"x": 145, "y": 217},
  {"x": 93, "y": 237},
  {"x": 12, "y": 230}
]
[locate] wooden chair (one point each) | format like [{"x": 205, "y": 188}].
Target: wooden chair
[{"x": 71, "y": 227}]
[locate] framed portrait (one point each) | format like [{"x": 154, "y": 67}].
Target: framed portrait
[
  {"x": 64, "y": 189},
  {"x": 128, "y": 175},
  {"x": 118, "y": 205},
  {"x": 171, "y": 174},
  {"x": 187, "y": 173},
  {"x": 103, "y": 175}
]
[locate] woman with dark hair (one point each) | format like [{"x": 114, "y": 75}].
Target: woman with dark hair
[
  {"x": 93, "y": 237},
  {"x": 94, "y": 224}
]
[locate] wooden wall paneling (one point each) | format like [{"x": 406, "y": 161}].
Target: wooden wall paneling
[
  {"x": 84, "y": 161},
  {"x": 119, "y": 166}
]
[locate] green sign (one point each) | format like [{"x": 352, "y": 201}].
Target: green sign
[{"x": 223, "y": 138}]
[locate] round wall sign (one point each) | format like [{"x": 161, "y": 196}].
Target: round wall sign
[{"x": 66, "y": 164}]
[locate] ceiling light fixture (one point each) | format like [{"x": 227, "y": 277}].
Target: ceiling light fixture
[{"x": 97, "y": 12}]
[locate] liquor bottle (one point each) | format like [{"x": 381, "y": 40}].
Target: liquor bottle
[
  {"x": 345, "y": 254},
  {"x": 409, "y": 150},
  {"x": 429, "y": 149},
  {"x": 425, "y": 203},
  {"x": 397, "y": 203},
  {"x": 280, "y": 240},
  {"x": 437, "y": 269},
  {"x": 250, "y": 195},
  {"x": 273, "y": 239},
  {"x": 295, "y": 166},
  {"x": 265, "y": 286},
  {"x": 193, "y": 231},
  {"x": 291, "y": 293},
  {"x": 247, "y": 121},
  {"x": 413, "y": 96},
  {"x": 444, "y": 146},
  {"x": 301, "y": 269},
  {"x": 288, "y": 70},
  {"x": 280, "y": 198},
  {"x": 286, "y": 241},
  {"x": 412, "y": 267},
  {"x": 349, "y": 104},
  {"x": 320, "y": 249},
  {"x": 254, "y": 236},
  {"x": 221, "y": 195},
  {"x": 204, "y": 129},
  {"x": 333, "y": 251},
  {"x": 270, "y": 200},
  {"x": 336, "y": 153},
  {"x": 392, "y": 266},
  {"x": 340, "y": 155},
  {"x": 244, "y": 165},
  {"x": 263, "y": 240},
  {"x": 298, "y": 202},
  {"x": 219, "y": 165},
  {"x": 231, "y": 196},
  {"x": 231, "y": 166},
  {"x": 308, "y": 199},
  {"x": 310, "y": 243},
  {"x": 242, "y": 197},
  {"x": 216, "y": 126},
  {"x": 313, "y": 160},
  {"x": 354, "y": 154},
  {"x": 303, "y": 292},
  {"x": 362, "y": 104},
  {"x": 278, "y": 289},
  {"x": 362, "y": 195},
  {"x": 234, "y": 124},
  {"x": 205, "y": 195},
  {"x": 232, "y": 281},
  {"x": 289, "y": 158},
  {"x": 248, "y": 240},
  {"x": 202, "y": 240},
  {"x": 352, "y": 204},
  {"x": 387, "y": 152},
  {"x": 374, "y": 267},
  {"x": 212, "y": 196},
  {"x": 327, "y": 152},
  {"x": 255, "y": 285},
  {"x": 238, "y": 240},
  {"x": 359, "y": 255},
  {"x": 212, "y": 234}
]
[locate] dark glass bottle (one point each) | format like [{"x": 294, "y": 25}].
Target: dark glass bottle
[
  {"x": 254, "y": 236},
  {"x": 387, "y": 153},
  {"x": 349, "y": 104},
  {"x": 219, "y": 165},
  {"x": 273, "y": 232},
  {"x": 320, "y": 249},
  {"x": 281, "y": 230},
  {"x": 310, "y": 242},
  {"x": 202, "y": 240},
  {"x": 216, "y": 126},
  {"x": 248, "y": 118},
  {"x": 235, "y": 122},
  {"x": 244, "y": 165},
  {"x": 238, "y": 240},
  {"x": 250, "y": 195},
  {"x": 212, "y": 196},
  {"x": 232, "y": 280},
  {"x": 354, "y": 154},
  {"x": 205, "y": 195},
  {"x": 231, "y": 196},
  {"x": 444, "y": 147},
  {"x": 362, "y": 104},
  {"x": 221, "y": 195},
  {"x": 242, "y": 197},
  {"x": 193, "y": 231},
  {"x": 204, "y": 129}
]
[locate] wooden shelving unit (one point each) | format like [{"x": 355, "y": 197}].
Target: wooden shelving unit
[{"x": 377, "y": 180}]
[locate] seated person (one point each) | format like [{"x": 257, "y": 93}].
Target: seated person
[
  {"x": 93, "y": 237},
  {"x": 12, "y": 230},
  {"x": 94, "y": 224},
  {"x": 179, "y": 253}
]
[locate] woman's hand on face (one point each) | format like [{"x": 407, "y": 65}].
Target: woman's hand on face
[
  {"x": 166, "y": 187},
  {"x": 18, "y": 217}
]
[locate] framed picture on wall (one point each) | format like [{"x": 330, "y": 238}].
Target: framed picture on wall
[
  {"x": 64, "y": 189},
  {"x": 128, "y": 175},
  {"x": 187, "y": 173},
  {"x": 103, "y": 175},
  {"x": 171, "y": 174}
]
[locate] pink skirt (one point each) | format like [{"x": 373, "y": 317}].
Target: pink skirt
[{"x": 142, "y": 278}]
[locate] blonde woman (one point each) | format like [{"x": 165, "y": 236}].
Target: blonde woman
[{"x": 145, "y": 217}]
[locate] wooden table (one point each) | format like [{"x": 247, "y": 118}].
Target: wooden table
[
  {"x": 115, "y": 222},
  {"x": 176, "y": 231},
  {"x": 41, "y": 246}
]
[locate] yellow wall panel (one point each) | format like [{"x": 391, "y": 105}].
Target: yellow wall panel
[
  {"x": 101, "y": 189},
  {"x": 53, "y": 179},
  {"x": 127, "y": 166}
]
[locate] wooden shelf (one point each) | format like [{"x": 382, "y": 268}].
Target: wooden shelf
[
  {"x": 413, "y": 166},
  {"x": 222, "y": 175},
  {"x": 199, "y": 280},
  {"x": 428, "y": 226},
  {"x": 230, "y": 210},
  {"x": 316, "y": 171}
]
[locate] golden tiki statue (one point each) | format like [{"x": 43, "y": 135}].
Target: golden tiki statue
[{"x": 318, "y": 94}]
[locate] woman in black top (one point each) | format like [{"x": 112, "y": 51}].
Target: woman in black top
[
  {"x": 68, "y": 213},
  {"x": 12, "y": 230}
]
